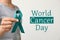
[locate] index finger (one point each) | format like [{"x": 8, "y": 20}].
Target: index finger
[{"x": 11, "y": 19}]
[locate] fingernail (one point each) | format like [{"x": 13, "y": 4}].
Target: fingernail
[{"x": 17, "y": 20}]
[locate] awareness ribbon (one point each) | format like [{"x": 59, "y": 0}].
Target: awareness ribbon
[{"x": 18, "y": 15}]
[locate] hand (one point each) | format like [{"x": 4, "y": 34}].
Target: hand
[{"x": 6, "y": 24}]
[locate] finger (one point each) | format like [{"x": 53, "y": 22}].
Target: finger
[
  {"x": 6, "y": 23},
  {"x": 10, "y": 19},
  {"x": 7, "y": 26},
  {"x": 6, "y": 30}
]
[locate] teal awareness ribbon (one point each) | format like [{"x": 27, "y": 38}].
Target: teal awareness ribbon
[{"x": 18, "y": 15}]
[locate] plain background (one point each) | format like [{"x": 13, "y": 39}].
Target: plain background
[{"x": 26, "y": 6}]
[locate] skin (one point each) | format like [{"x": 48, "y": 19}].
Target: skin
[{"x": 6, "y": 23}]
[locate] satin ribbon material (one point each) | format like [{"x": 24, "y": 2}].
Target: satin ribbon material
[{"x": 18, "y": 15}]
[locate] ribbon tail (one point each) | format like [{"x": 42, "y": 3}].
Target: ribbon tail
[
  {"x": 14, "y": 28},
  {"x": 21, "y": 28}
]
